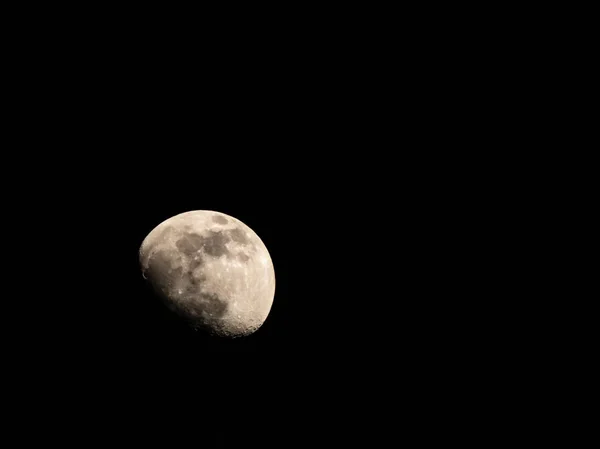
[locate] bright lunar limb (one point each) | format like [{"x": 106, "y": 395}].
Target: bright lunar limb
[{"x": 212, "y": 269}]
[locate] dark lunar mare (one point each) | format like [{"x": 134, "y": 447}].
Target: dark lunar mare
[
  {"x": 220, "y": 219},
  {"x": 190, "y": 243},
  {"x": 214, "y": 306},
  {"x": 237, "y": 235},
  {"x": 214, "y": 244}
]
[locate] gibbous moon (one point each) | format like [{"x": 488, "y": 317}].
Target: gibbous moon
[{"x": 211, "y": 269}]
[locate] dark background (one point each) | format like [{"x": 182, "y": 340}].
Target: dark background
[
  {"x": 343, "y": 224},
  {"x": 357, "y": 323},
  {"x": 338, "y": 154}
]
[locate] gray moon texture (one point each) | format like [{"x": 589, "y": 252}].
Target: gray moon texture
[{"x": 211, "y": 269}]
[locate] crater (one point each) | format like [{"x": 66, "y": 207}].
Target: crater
[
  {"x": 243, "y": 257},
  {"x": 220, "y": 219}
]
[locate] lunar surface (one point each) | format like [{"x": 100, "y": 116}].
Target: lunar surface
[{"x": 211, "y": 269}]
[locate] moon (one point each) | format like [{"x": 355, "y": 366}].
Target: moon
[{"x": 211, "y": 269}]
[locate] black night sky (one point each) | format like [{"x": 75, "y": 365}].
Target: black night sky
[
  {"x": 333, "y": 166},
  {"x": 353, "y": 307}
]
